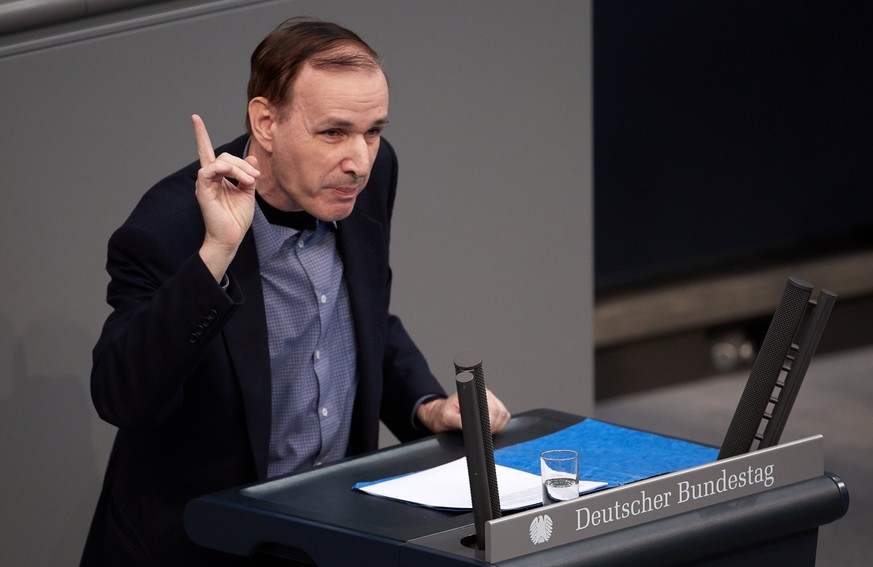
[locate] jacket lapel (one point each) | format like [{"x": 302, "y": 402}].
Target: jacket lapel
[
  {"x": 246, "y": 338},
  {"x": 365, "y": 269}
]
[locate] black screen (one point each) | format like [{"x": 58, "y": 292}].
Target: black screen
[{"x": 728, "y": 134}]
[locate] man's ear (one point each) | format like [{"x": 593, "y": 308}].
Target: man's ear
[{"x": 262, "y": 115}]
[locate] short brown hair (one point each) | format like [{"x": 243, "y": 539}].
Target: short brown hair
[{"x": 277, "y": 60}]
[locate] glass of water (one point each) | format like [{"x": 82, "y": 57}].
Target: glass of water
[{"x": 560, "y": 475}]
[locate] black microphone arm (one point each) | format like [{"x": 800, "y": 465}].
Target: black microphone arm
[{"x": 479, "y": 445}]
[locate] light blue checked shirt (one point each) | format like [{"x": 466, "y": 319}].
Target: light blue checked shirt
[{"x": 311, "y": 341}]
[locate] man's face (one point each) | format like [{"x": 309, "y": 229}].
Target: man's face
[{"x": 324, "y": 144}]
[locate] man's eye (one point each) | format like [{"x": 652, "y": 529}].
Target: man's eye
[{"x": 331, "y": 133}]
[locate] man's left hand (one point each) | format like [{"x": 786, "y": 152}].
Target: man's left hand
[{"x": 444, "y": 414}]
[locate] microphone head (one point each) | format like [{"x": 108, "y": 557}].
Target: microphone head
[
  {"x": 463, "y": 378},
  {"x": 467, "y": 360}
]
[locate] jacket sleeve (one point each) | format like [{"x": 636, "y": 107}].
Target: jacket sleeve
[
  {"x": 408, "y": 381},
  {"x": 165, "y": 313}
]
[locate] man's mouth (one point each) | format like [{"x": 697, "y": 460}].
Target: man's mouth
[{"x": 346, "y": 190}]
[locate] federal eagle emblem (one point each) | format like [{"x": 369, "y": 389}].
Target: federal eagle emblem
[{"x": 541, "y": 529}]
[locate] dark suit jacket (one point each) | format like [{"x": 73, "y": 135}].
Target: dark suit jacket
[{"x": 182, "y": 367}]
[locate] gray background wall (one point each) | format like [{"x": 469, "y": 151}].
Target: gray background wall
[{"x": 490, "y": 112}]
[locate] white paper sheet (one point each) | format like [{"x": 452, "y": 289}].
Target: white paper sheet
[{"x": 447, "y": 487}]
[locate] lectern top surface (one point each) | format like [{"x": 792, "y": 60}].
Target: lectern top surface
[{"x": 326, "y": 495}]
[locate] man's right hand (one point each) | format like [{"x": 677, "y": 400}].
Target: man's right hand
[{"x": 227, "y": 208}]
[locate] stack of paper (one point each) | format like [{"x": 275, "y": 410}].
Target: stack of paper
[{"x": 447, "y": 487}]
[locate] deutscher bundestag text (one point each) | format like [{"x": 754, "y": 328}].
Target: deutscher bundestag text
[{"x": 685, "y": 492}]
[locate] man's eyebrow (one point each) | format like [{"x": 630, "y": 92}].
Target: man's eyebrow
[{"x": 340, "y": 123}]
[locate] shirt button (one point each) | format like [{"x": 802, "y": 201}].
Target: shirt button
[
  {"x": 323, "y": 298},
  {"x": 318, "y": 355},
  {"x": 324, "y": 412},
  {"x": 300, "y": 244}
]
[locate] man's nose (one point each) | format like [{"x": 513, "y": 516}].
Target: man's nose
[{"x": 357, "y": 161}]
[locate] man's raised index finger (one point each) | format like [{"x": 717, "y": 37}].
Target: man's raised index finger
[{"x": 204, "y": 144}]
